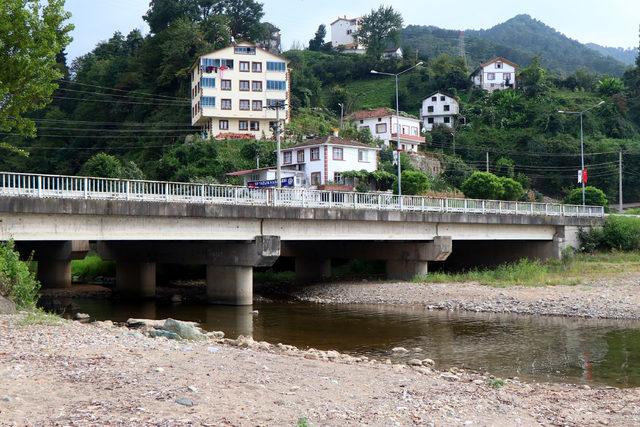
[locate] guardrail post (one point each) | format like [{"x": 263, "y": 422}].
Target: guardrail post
[
  {"x": 127, "y": 188},
  {"x": 235, "y": 195},
  {"x": 166, "y": 191},
  {"x": 202, "y": 193},
  {"x": 39, "y": 186},
  {"x": 422, "y": 199},
  {"x": 330, "y": 199},
  {"x": 483, "y": 207},
  {"x": 531, "y": 208},
  {"x": 379, "y": 202},
  {"x": 446, "y": 205},
  {"x": 86, "y": 188},
  {"x": 465, "y": 205},
  {"x": 517, "y": 210}
]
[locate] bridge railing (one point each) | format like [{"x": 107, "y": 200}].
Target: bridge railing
[{"x": 75, "y": 187}]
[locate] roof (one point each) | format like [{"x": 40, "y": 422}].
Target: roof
[
  {"x": 392, "y": 49},
  {"x": 332, "y": 140},
  {"x": 344, "y": 18},
  {"x": 439, "y": 92},
  {"x": 196, "y": 63},
  {"x": 501, "y": 59},
  {"x": 378, "y": 112}
]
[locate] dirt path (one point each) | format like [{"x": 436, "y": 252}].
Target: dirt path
[
  {"x": 100, "y": 375},
  {"x": 611, "y": 299}
]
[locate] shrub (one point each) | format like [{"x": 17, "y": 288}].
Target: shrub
[
  {"x": 511, "y": 189},
  {"x": 618, "y": 233},
  {"x": 593, "y": 197},
  {"x": 91, "y": 267},
  {"x": 17, "y": 282},
  {"x": 103, "y": 165},
  {"x": 482, "y": 185},
  {"x": 414, "y": 182}
]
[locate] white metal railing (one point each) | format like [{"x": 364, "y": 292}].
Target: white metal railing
[{"x": 77, "y": 187}]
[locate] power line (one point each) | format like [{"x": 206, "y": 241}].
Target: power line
[
  {"x": 119, "y": 101},
  {"x": 118, "y": 130},
  {"x": 124, "y": 96},
  {"x": 80, "y": 122},
  {"x": 125, "y": 91},
  {"x": 98, "y": 136}
]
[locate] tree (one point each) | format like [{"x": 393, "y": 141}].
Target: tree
[
  {"x": 317, "y": 43},
  {"x": 511, "y": 189},
  {"x": 505, "y": 167},
  {"x": 533, "y": 79},
  {"x": 32, "y": 37},
  {"x": 103, "y": 165},
  {"x": 482, "y": 185},
  {"x": 593, "y": 197},
  {"x": 414, "y": 182},
  {"x": 378, "y": 29},
  {"x": 609, "y": 86},
  {"x": 244, "y": 18}
]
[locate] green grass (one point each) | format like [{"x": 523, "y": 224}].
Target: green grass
[
  {"x": 40, "y": 317},
  {"x": 496, "y": 383},
  {"x": 91, "y": 267},
  {"x": 274, "y": 277},
  {"x": 570, "y": 271}
]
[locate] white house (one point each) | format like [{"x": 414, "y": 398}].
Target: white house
[
  {"x": 231, "y": 87},
  {"x": 342, "y": 35},
  {"x": 383, "y": 124},
  {"x": 267, "y": 177},
  {"x": 439, "y": 109},
  {"x": 496, "y": 74},
  {"x": 393, "y": 53}
]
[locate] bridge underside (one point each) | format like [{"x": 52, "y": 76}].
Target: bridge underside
[{"x": 232, "y": 240}]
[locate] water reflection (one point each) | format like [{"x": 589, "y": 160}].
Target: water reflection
[{"x": 547, "y": 349}]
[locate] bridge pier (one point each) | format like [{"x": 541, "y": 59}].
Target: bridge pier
[
  {"x": 405, "y": 269},
  {"x": 136, "y": 279},
  {"x": 54, "y": 274},
  {"x": 309, "y": 270},
  {"x": 230, "y": 285},
  {"x": 54, "y": 260}
]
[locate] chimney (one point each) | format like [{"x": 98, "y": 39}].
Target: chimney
[{"x": 336, "y": 132}]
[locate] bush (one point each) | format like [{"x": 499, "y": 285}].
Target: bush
[
  {"x": 17, "y": 282},
  {"x": 482, "y": 185},
  {"x": 414, "y": 182},
  {"x": 91, "y": 267},
  {"x": 511, "y": 189},
  {"x": 103, "y": 165},
  {"x": 593, "y": 197},
  {"x": 618, "y": 233}
]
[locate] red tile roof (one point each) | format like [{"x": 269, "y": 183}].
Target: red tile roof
[
  {"x": 378, "y": 112},
  {"x": 331, "y": 140}
]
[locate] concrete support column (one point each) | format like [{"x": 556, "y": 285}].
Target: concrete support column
[
  {"x": 406, "y": 270},
  {"x": 54, "y": 274},
  {"x": 136, "y": 279},
  {"x": 309, "y": 270},
  {"x": 230, "y": 285}
]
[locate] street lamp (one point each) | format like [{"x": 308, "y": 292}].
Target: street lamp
[
  {"x": 398, "y": 118},
  {"x": 581, "y": 114}
]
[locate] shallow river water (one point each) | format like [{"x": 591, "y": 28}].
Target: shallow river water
[{"x": 531, "y": 348}]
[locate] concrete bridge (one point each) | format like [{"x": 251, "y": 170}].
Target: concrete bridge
[{"x": 231, "y": 230}]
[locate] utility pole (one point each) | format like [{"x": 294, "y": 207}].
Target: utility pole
[
  {"x": 620, "y": 181},
  {"x": 487, "y": 161},
  {"x": 453, "y": 135},
  {"x": 463, "y": 49},
  {"x": 341, "y": 114},
  {"x": 277, "y": 105}
]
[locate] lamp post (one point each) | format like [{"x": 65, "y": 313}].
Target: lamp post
[
  {"x": 396, "y": 76},
  {"x": 278, "y": 105},
  {"x": 581, "y": 114}
]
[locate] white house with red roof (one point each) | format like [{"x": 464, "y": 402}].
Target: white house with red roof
[
  {"x": 497, "y": 74},
  {"x": 383, "y": 125}
]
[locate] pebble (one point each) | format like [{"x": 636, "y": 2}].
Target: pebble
[
  {"x": 213, "y": 349},
  {"x": 428, "y": 362},
  {"x": 399, "y": 350},
  {"x": 6, "y": 399},
  {"x": 449, "y": 376},
  {"x": 414, "y": 362},
  {"x": 184, "y": 401},
  {"x": 81, "y": 316}
]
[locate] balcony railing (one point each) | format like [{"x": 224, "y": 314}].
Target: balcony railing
[{"x": 77, "y": 187}]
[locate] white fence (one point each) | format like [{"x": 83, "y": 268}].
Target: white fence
[{"x": 75, "y": 187}]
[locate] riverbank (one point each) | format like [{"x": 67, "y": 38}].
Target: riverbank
[{"x": 74, "y": 374}]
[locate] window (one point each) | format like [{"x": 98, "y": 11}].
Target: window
[
  {"x": 300, "y": 156},
  {"x": 244, "y": 85},
  {"x": 244, "y": 50},
  {"x": 447, "y": 119},
  {"x": 434, "y": 98},
  {"x": 338, "y": 153},
  {"x": 430, "y": 109},
  {"x": 256, "y": 67},
  {"x": 276, "y": 66},
  {"x": 209, "y": 62},
  {"x": 208, "y": 101},
  {"x": 223, "y": 125},
  {"x": 208, "y": 82},
  {"x": 243, "y": 125},
  {"x": 287, "y": 157},
  {"x": 314, "y": 153},
  {"x": 499, "y": 65},
  {"x": 349, "y": 32},
  {"x": 430, "y": 120},
  {"x": 505, "y": 76},
  {"x": 275, "y": 102},
  {"x": 225, "y": 104},
  {"x": 337, "y": 178},
  {"x": 315, "y": 178},
  {"x": 225, "y": 84},
  {"x": 244, "y": 66},
  {"x": 381, "y": 128},
  {"x": 227, "y": 63},
  {"x": 276, "y": 85},
  {"x": 414, "y": 131},
  {"x": 254, "y": 126},
  {"x": 256, "y": 105},
  {"x": 491, "y": 76},
  {"x": 447, "y": 108},
  {"x": 245, "y": 105},
  {"x": 442, "y": 98},
  {"x": 256, "y": 86},
  {"x": 363, "y": 156}
]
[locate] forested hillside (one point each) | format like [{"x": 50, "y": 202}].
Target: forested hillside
[
  {"x": 626, "y": 56},
  {"x": 129, "y": 97}
]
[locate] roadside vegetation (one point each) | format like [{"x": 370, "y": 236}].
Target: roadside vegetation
[
  {"x": 91, "y": 267},
  {"x": 17, "y": 282}
]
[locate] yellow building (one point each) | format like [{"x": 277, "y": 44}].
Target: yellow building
[{"x": 233, "y": 88}]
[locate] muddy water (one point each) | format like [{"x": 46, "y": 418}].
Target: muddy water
[{"x": 532, "y": 348}]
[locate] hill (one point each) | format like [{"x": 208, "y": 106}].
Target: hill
[
  {"x": 626, "y": 56},
  {"x": 520, "y": 39}
]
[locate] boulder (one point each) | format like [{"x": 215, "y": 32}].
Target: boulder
[
  {"x": 414, "y": 362},
  {"x": 186, "y": 330},
  {"x": 6, "y": 306},
  {"x": 148, "y": 323},
  {"x": 399, "y": 350},
  {"x": 157, "y": 333}
]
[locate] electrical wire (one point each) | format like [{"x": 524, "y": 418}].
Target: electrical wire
[
  {"x": 121, "y": 96},
  {"x": 112, "y": 101},
  {"x": 125, "y": 91}
]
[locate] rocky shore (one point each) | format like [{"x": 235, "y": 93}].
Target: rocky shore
[
  {"x": 617, "y": 298},
  {"x": 103, "y": 374}
]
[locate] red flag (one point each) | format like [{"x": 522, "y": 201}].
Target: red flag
[{"x": 585, "y": 176}]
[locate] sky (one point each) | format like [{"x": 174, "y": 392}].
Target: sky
[{"x": 606, "y": 22}]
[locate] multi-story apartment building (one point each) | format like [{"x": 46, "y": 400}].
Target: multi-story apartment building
[
  {"x": 343, "y": 32},
  {"x": 439, "y": 109},
  {"x": 496, "y": 74},
  {"x": 232, "y": 90},
  {"x": 383, "y": 125}
]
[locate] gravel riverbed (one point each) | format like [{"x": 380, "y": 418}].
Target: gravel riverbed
[
  {"x": 100, "y": 374},
  {"x": 617, "y": 298}
]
